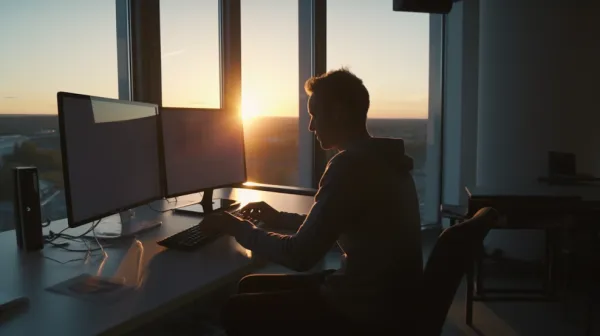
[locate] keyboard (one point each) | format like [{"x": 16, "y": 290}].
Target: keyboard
[
  {"x": 194, "y": 238},
  {"x": 190, "y": 239}
]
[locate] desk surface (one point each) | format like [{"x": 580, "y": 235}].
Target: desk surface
[
  {"x": 590, "y": 193},
  {"x": 163, "y": 279}
]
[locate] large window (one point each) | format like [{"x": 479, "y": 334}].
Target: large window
[
  {"x": 390, "y": 52},
  {"x": 190, "y": 57},
  {"x": 83, "y": 47},
  {"x": 48, "y": 46},
  {"x": 270, "y": 90}
]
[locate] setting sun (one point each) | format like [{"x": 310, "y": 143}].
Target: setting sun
[{"x": 250, "y": 108}]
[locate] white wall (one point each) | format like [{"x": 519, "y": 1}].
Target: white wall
[{"x": 536, "y": 71}]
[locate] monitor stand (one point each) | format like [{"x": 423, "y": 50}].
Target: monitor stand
[
  {"x": 208, "y": 204},
  {"x": 130, "y": 224}
]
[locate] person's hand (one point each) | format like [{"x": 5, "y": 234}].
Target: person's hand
[
  {"x": 263, "y": 212},
  {"x": 222, "y": 222}
]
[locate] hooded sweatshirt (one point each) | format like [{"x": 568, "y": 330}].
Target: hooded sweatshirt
[{"x": 367, "y": 203}]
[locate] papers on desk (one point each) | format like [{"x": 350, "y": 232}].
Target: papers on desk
[{"x": 92, "y": 288}]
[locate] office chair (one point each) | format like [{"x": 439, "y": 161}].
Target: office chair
[
  {"x": 453, "y": 256},
  {"x": 455, "y": 213}
]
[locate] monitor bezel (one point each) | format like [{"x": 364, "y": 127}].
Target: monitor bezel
[
  {"x": 164, "y": 162},
  {"x": 65, "y": 154}
]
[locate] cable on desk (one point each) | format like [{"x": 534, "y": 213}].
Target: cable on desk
[
  {"x": 65, "y": 248},
  {"x": 88, "y": 251},
  {"x": 100, "y": 245},
  {"x": 53, "y": 236},
  {"x": 64, "y": 262}
]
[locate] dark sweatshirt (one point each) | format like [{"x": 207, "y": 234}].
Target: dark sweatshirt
[{"x": 367, "y": 202}]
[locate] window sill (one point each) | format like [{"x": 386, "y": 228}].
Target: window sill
[{"x": 280, "y": 189}]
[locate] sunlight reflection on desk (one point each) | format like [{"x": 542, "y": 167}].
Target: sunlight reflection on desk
[
  {"x": 131, "y": 270},
  {"x": 279, "y": 201},
  {"x": 245, "y": 196}
]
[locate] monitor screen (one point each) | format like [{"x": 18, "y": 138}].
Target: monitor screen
[
  {"x": 111, "y": 155},
  {"x": 203, "y": 149}
]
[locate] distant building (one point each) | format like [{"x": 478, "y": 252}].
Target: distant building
[{"x": 8, "y": 142}]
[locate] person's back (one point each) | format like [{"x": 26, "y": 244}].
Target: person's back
[{"x": 382, "y": 243}]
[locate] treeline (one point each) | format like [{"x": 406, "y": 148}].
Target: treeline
[
  {"x": 27, "y": 125},
  {"x": 47, "y": 161}
]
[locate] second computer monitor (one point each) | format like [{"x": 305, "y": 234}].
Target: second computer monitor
[
  {"x": 203, "y": 150},
  {"x": 111, "y": 155}
]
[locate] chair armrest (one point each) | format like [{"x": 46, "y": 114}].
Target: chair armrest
[{"x": 453, "y": 211}]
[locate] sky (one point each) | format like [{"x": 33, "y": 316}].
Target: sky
[{"x": 71, "y": 45}]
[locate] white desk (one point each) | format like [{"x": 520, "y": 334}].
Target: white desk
[{"x": 165, "y": 279}]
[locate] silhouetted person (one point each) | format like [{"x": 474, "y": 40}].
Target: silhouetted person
[{"x": 367, "y": 202}]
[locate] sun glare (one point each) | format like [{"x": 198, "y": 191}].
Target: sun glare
[{"x": 250, "y": 109}]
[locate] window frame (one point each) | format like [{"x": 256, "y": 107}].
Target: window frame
[
  {"x": 434, "y": 165},
  {"x": 145, "y": 51},
  {"x": 312, "y": 21},
  {"x": 124, "y": 47},
  {"x": 460, "y": 99}
]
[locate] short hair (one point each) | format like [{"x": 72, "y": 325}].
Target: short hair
[{"x": 341, "y": 86}]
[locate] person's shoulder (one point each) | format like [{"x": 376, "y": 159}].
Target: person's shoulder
[
  {"x": 340, "y": 161},
  {"x": 340, "y": 168}
]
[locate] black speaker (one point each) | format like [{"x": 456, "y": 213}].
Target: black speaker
[
  {"x": 28, "y": 212},
  {"x": 423, "y": 6}
]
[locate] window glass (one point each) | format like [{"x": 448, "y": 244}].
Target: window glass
[
  {"x": 389, "y": 51},
  {"x": 270, "y": 90},
  {"x": 48, "y": 46},
  {"x": 190, "y": 53}
]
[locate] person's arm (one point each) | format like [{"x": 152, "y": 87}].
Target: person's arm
[
  {"x": 322, "y": 227},
  {"x": 290, "y": 221}
]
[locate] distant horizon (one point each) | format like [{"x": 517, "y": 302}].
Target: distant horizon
[{"x": 257, "y": 117}]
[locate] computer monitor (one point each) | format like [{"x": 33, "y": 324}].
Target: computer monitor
[
  {"x": 203, "y": 150},
  {"x": 111, "y": 156}
]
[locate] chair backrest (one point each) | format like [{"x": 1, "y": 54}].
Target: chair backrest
[{"x": 453, "y": 254}]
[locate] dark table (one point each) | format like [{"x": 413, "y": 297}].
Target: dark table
[{"x": 554, "y": 209}]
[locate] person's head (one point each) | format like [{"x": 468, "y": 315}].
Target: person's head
[{"x": 338, "y": 104}]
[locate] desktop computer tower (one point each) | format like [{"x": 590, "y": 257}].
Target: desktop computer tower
[{"x": 27, "y": 209}]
